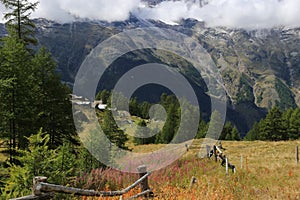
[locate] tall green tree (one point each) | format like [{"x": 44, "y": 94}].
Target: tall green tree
[
  {"x": 112, "y": 131},
  {"x": 226, "y": 132},
  {"x": 171, "y": 125},
  {"x": 235, "y": 135},
  {"x": 253, "y": 134},
  {"x": 294, "y": 125},
  {"x": 134, "y": 107},
  {"x": 18, "y": 19},
  {"x": 16, "y": 95},
  {"x": 52, "y": 101},
  {"x": 144, "y": 110},
  {"x": 271, "y": 128}
]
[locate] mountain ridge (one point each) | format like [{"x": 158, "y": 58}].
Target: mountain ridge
[{"x": 260, "y": 68}]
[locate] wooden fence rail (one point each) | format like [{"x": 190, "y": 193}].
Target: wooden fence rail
[
  {"x": 44, "y": 190},
  {"x": 217, "y": 153}
]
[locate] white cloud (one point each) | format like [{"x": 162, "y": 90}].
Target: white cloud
[
  {"x": 52, "y": 10},
  {"x": 116, "y": 10},
  {"x": 231, "y": 13},
  {"x": 252, "y": 13},
  {"x": 2, "y": 11},
  {"x": 169, "y": 12}
]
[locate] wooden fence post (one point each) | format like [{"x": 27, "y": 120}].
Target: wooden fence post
[
  {"x": 144, "y": 184},
  {"x": 207, "y": 151},
  {"x": 193, "y": 181},
  {"x": 187, "y": 147},
  {"x": 226, "y": 159},
  {"x": 215, "y": 153},
  {"x": 297, "y": 154},
  {"x": 241, "y": 161},
  {"x": 36, "y": 190}
]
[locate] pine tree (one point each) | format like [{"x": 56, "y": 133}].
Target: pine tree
[
  {"x": 228, "y": 136},
  {"x": 19, "y": 24},
  {"x": 112, "y": 131},
  {"x": 226, "y": 132},
  {"x": 53, "y": 101},
  {"x": 104, "y": 96},
  {"x": 171, "y": 125},
  {"x": 235, "y": 134},
  {"x": 286, "y": 121},
  {"x": 134, "y": 107},
  {"x": 253, "y": 134},
  {"x": 141, "y": 132},
  {"x": 16, "y": 95},
  {"x": 271, "y": 128},
  {"x": 144, "y": 110},
  {"x": 294, "y": 125}
]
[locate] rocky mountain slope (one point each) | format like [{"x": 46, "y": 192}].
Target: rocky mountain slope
[{"x": 260, "y": 68}]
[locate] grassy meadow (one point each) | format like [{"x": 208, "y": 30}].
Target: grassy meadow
[{"x": 267, "y": 170}]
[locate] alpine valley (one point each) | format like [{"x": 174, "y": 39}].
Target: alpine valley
[{"x": 260, "y": 68}]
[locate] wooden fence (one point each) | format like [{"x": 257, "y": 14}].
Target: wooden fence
[
  {"x": 43, "y": 190},
  {"x": 217, "y": 153}
]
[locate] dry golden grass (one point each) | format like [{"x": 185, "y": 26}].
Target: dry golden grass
[{"x": 267, "y": 170}]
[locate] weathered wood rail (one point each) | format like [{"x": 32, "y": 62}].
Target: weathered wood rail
[
  {"x": 43, "y": 190},
  {"x": 217, "y": 153}
]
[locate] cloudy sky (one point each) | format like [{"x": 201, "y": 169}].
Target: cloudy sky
[{"x": 232, "y": 13}]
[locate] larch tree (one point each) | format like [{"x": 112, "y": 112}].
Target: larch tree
[
  {"x": 16, "y": 94},
  {"x": 112, "y": 131},
  {"x": 18, "y": 19},
  {"x": 53, "y": 101}
]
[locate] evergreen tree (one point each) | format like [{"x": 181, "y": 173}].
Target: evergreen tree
[
  {"x": 226, "y": 132},
  {"x": 294, "y": 125},
  {"x": 105, "y": 96},
  {"x": 144, "y": 110},
  {"x": 235, "y": 134},
  {"x": 286, "y": 119},
  {"x": 17, "y": 96},
  {"x": 271, "y": 128},
  {"x": 53, "y": 101},
  {"x": 134, "y": 107},
  {"x": 112, "y": 131},
  {"x": 253, "y": 134},
  {"x": 171, "y": 126},
  {"x": 18, "y": 22},
  {"x": 228, "y": 136}
]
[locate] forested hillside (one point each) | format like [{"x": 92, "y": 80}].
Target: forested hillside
[
  {"x": 39, "y": 60},
  {"x": 259, "y": 67}
]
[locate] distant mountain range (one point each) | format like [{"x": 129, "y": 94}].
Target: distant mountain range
[{"x": 260, "y": 68}]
